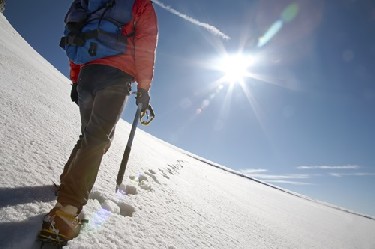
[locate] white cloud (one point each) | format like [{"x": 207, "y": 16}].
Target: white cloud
[
  {"x": 206, "y": 26},
  {"x": 274, "y": 178},
  {"x": 280, "y": 177},
  {"x": 351, "y": 174},
  {"x": 329, "y": 167},
  {"x": 289, "y": 182},
  {"x": 343, "y": 167},
  {"x": 252, "y": 171}
]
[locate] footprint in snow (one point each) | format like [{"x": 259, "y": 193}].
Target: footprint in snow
[
  {"x": 119, "y": 207},
  {"x": 126, "y": 209},
  {"x": 164, "y": 174},
  {"x": 175, "y": 168},
  {"x": 142, "y": 181},
  {"x": 152, "y": 175},
  {"x": 96, "y": 195}
]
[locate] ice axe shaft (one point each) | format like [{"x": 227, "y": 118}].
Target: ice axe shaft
[{"x": 125, "y": 157}]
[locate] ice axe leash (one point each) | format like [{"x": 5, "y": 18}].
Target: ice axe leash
[{"x": 125, "y": 158}]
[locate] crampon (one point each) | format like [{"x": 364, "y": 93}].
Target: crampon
[{"x": 50, "y": 238}]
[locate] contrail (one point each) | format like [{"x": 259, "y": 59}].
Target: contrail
[{"x": 207, "y": 26}]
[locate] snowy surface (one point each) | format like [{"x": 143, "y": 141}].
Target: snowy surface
[{"x": 170, "y": 198}]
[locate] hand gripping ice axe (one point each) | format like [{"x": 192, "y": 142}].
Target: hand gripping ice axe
[{"x": 125, "y": 158}]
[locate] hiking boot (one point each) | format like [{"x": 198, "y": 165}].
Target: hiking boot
[{"x": 60, "y": 225}]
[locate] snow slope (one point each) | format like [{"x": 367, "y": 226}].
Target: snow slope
[{"x": 170, "y": 198}]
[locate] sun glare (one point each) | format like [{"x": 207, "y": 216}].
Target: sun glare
[{"x": 235, "y": 67}]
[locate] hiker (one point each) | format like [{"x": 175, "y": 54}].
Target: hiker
[{"x": 101, "y": 84}]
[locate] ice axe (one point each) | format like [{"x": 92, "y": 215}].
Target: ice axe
[{"x": 125, "y": 158}]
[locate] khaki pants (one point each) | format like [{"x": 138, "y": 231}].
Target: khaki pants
[{"x": 103, "y": 92}]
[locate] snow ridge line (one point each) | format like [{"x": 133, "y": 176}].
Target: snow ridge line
[{"x": 229, "y": 170}]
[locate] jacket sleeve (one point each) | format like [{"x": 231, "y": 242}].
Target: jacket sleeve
[
  {"x": 145, "y": 42},
  {"x": 74, "y": 72}
]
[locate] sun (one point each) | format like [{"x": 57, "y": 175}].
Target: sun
[
  {"x": 233, "y": 72},
  {"x": 235, "y": 67}
]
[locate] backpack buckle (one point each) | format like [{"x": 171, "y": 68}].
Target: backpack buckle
[{"x": 92, "y": 49}]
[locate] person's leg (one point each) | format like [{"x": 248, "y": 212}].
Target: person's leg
[
  {"x": 102, "y": 93},
  {"x": 86, "y": 101},
  {"x": 106, "y": 110},
  {"x": 71, "y": 157},
  {"x": 91, "y": 78}
]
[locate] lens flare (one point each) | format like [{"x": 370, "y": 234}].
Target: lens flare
[
  {"x": 98, "y": 219},
  {"x": 288, "y": 14},
  {"x": 271, "y": 32}
]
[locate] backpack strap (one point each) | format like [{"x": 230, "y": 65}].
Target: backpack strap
[{"x": 79, "y": 39}]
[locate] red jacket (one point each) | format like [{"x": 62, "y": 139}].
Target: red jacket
[{"x": 139, "y": 57}]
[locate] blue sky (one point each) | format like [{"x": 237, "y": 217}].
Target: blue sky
[{"x": 305, "y": 118}]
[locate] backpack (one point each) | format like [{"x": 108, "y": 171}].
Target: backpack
[{"x": 93, "y": 29}]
